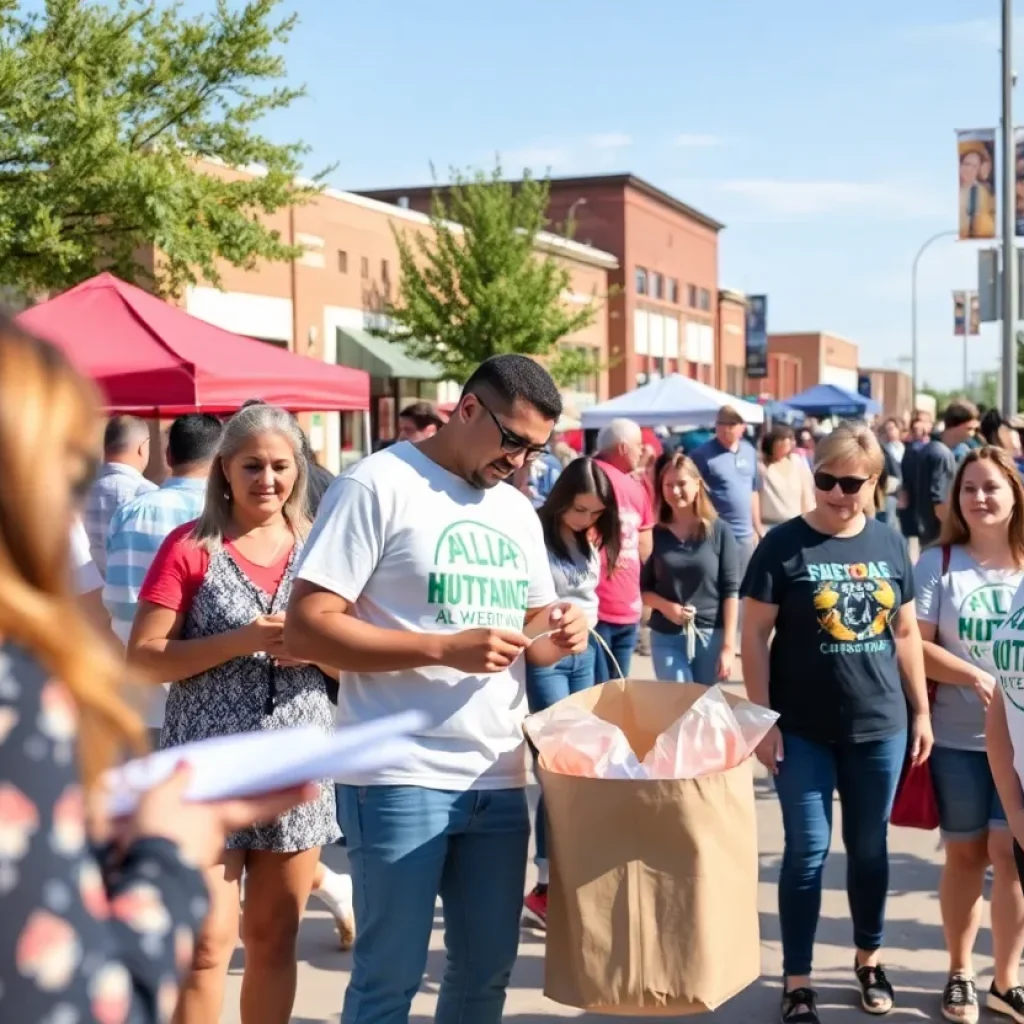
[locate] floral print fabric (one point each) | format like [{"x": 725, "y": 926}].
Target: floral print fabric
[{"x": 81, "y": 941}]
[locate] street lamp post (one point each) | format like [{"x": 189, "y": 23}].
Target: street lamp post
[
  {"x": 1009, "y": 291},
  {"x": 914, "y": 362}
]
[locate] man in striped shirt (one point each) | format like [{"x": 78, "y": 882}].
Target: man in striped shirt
[{"x": 139, "y": 527}]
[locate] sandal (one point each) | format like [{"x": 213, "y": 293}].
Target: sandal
[
  {"x": 960, "y": 999},
  {"x": 799, "y": 1006},
  {"x": 876, "y": 994}
]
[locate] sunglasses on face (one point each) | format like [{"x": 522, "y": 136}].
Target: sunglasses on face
[
  {"x": 513, "y": 444},
  {"x": 849, "y": 485}
]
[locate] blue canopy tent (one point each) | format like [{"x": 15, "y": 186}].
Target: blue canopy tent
[
  {"x": 782, "y": 412},
  {"x": 831, "y": 400}
]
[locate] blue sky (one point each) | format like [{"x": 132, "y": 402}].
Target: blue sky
[{"x": 822, "y": 134}]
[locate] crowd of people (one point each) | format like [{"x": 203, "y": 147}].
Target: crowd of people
[{"x": 869, "y": 582}]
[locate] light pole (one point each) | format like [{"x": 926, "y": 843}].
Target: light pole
[
  {"x": 1009, "y": 291},
  {"x": 914, "y": 365}
]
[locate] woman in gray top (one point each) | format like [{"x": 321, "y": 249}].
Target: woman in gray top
[
  {"x": 580, "y": 519},
  {"x": 691, "y": 582},
  {"x": 965, "y": 586}
]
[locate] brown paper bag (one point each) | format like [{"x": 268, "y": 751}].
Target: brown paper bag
[{"x": 652, "y": 903}]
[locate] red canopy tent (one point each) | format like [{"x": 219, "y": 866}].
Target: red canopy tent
[{"x": 151, "y": 357}]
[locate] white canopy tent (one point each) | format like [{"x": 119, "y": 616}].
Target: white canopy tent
[{"x": 673, "y": 401}]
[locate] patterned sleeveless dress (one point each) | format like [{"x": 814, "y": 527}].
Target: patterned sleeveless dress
[{"x": 251, "y": 694}]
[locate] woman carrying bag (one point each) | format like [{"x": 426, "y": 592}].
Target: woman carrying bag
[{"x": 965, "y": 586}]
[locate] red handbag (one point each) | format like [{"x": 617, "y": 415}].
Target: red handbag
[{"x": 915, "y": 805}]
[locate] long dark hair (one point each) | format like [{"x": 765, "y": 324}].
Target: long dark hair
[{"x": 582, "y": 476}]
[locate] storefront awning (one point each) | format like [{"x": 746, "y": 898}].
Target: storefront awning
[{"x": 379, "y": 357}]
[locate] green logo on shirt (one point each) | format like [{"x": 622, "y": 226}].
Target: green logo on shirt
[
  {"x": 1008, "y": 655},
  {"x": 981, "y": 613},
  {"x": 481, "y": 578}
]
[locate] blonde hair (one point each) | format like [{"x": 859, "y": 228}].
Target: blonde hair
[
  {"x": 955, "y": 530},
  {"x": 853, "y": 442},
  {"x": 245, "y": 424},
  {"x": 703, "y": 510},
  {"x": 48, "y": 414}
]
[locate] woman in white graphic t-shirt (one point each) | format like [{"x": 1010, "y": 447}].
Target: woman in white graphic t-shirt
[{"x": 965, "y": 585}]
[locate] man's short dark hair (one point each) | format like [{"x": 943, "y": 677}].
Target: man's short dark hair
[
  {"x": 515, "y": 378},
  {"x": 123, "y": 432},
  {"x": 423, "y": 414},
  {"x": 959, "y": 412},
  {"x": 193, "y": 439}
]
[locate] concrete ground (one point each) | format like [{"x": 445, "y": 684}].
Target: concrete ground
[{"x": 915, "y": 954}]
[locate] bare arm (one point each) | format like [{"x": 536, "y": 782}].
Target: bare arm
[
  {"x": 155, "y": 645},
  {"x": 646, "y": 545},
  {"x": 943, "y": 666},
  {"x": 758, "y": 624},
  {"x": 730, "y": 620},
  {"x": 755, "y": 513},
  {"x": 910, "y": 656},
  {"x": 96, "y": 612}
]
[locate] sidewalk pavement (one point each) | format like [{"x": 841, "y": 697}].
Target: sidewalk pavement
[{"x": 915, "y": 957}]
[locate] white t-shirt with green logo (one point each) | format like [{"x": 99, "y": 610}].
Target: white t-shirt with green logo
[
  {"x": 968, "y": 604},
  {"x": 414, "y": 548},
  {"x": 1008, "y": 654}
]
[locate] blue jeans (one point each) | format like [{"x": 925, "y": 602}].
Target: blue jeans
[
  {"x": 622, "y": 641},
  {"x": 406, "y": 846},
  {"x": 965, "y": 791},
  {"x": 671, "y": 665},
  {"x": 547, "y": 686},
  {"x": 866, "y": 775}
]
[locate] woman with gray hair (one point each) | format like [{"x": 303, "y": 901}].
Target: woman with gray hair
[{"x": 211, "y": 620}]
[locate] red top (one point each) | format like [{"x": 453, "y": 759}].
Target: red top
[
  {"x": 618, "y": 596},
  {"x": 180, "y": 565}
]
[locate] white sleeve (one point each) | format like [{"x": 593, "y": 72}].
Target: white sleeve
[
  {"x": 87, "y": 576},
  {"x": 928, "y": 585},
  {"x": 542, "y": 585},
  {"x": 346, "y": 542}
]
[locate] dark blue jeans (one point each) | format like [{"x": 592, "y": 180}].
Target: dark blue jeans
[
  {"x": 547, "y": 686},
  {"x": 407, "y": 845},
  {"x": 866, "y": 775},
  {"x": 622, "y": 641}
]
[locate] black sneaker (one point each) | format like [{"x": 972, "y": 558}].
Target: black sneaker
[
  {"x": 960, "y": 999},
  {"x": 1008, "y": 1004},
  {"x": 799, "y": 1006},
  {"x": 876, "y": 994}
]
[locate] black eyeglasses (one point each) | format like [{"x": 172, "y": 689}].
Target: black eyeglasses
[
  {"x": 513, "y": 444},
  {"x": 847, "y": 484}
]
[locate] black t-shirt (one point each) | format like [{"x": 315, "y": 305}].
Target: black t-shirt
[
  {"x": 832, "y": 673},
  {"x": 701, "y": 573}
]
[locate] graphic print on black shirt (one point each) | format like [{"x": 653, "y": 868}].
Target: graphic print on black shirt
[{"x": 833, "y": 675}]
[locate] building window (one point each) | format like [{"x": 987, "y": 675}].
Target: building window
[
  {"x": 691, "y": 296},
  {"x": 342, "y": 261},
  {"x": 385, "y": 273},
  {"x": 705, "y": 300},
  {"x": 656, "y": 285},
  {"x": 673, "y": 290},
  {"x": 641, "y": 281},
  {"x": 364, "y": 268}
]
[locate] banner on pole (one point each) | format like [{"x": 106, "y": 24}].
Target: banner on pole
[
  {"x": 757, "y": 336},
  {"x": 1018, "y": 180},
  {"x": 976, "y": 150},
  {"x": 973, "y": 314},
  {"x": 959, "y": 313}
]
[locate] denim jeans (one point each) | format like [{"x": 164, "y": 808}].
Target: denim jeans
[
  {"x": 622, "y": 641},
  {"x": 407, "y": 845},
  {"x": 671, "y": 664},
  {"x": 866, "y": 775},
  {"x": 547, "y": 686}
]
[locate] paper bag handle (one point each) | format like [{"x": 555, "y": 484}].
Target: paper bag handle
[{"x": 613, "y": 661}]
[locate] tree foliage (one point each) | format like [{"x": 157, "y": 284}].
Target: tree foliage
[
  {"x": 476, "y": 285},
  {"x": 105, "y": 110}
]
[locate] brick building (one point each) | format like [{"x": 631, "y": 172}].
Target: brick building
[
  {"x": 662, "y": 318},
  {"x": 824, "y": 359},
  {"x": 322, "y": 305},
  {"x": 892, "y": 389}
]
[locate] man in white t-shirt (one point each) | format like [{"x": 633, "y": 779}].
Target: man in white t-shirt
[{"x": 425, "y": 582}]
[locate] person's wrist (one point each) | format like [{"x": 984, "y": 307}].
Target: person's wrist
[{"x": 436, "y": 647}]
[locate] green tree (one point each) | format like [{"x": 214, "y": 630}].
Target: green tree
[
  {"x": 105, "y": 110},
  {"x": 476, "y": 286}
]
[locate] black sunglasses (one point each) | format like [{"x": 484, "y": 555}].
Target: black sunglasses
[
  {"x": 513, "y": 444},
  {"x": 847, "y": 484}
]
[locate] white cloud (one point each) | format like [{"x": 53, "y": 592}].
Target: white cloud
[
  {"x": 610, "y": 140},
  {"x": 697, "y": 141},
  {"x": 802, "y": 198}
]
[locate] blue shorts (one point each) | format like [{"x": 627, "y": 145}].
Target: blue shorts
[{"x": 966, "y": 794}]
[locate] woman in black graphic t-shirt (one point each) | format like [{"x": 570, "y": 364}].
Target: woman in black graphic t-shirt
[{"x": 836, "y": 588}]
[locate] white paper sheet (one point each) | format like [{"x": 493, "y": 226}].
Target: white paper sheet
[{"x": 261, "y": 762}]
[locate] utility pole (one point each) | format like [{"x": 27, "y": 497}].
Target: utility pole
[{"x": 1009, "y": 291}]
